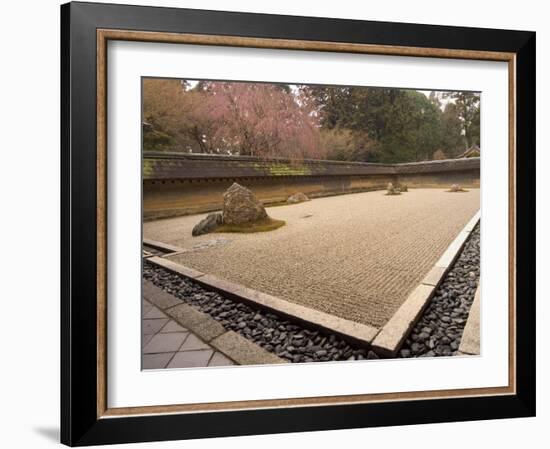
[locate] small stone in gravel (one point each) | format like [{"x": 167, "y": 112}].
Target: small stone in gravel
[
  {"x": 405, "y": 353},
  {"x": 372, "y": 355},
  {"x": 423, "y": 336}
]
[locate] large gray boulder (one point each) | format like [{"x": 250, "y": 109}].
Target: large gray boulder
[
  {"x": 240, "y": 206},
  {"x": 208, "y": 224}
]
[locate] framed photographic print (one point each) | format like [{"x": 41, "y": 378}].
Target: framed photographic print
[{"x": 280, "y": 224}]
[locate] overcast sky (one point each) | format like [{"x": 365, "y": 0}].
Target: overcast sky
[{"x": 444, "y": 101}]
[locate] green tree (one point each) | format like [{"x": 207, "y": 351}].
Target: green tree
[
  {"x": 453, "y": 141},
  {"x": 467, "y": 105},
  {"x": 402, "y": 125},
  {"x": 474, "y": 130},
  {"x": 344, "y": 144}
]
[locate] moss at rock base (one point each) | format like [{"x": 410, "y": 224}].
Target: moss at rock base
[{"x": 261, "y": 226}]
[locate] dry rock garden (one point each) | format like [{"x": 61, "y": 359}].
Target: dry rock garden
[{"x": 437, "y": 333}]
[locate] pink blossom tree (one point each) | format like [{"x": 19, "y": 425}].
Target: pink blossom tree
[{"x": 266, "y": 120}]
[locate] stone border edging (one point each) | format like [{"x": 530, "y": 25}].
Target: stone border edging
[
  {"x": 349, "y": 330},
  {"x": 161, "y": 246},
  {"x": 229, "y": 343},
  {"x": 392, "y": 335},
  {"x": 469, "y": 343}
]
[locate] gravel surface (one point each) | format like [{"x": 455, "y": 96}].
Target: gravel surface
[
  {"x": 440, "y": 328},
  {"x": 273, "y": 333}
]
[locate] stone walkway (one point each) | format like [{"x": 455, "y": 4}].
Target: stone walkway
[
  {"x": 356, "y": 256},
  {"x": 166, "y": 344}
]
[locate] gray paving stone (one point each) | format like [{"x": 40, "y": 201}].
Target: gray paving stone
[
  {"x": 209, "y": 329},
  {"x": 193, "y": 343},
  {"x": 145, "y": 339},
  {"x": 199, "y": 323},
  {"x": 191, "y": 359},
  {"x": 165, "y": 342},
  {"x": 172, "y": 326},
  {"x": 219, "y": 359},
  {"x": 187, "y": 316},
  {"x": 152, "y": 326},
  {"x": 163, "y": 300},
  {"x": 155, "y": 361},
  {"x": 243, "y": 351},
  {"x": 154, "y": 313},
  {"x": 145, "y": 307},
  {"x": 148, "y": 289}
]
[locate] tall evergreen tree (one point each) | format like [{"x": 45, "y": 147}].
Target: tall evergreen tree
[
  {"x": 467, "y": 104},
  {"x": 453, "y": 141}
]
